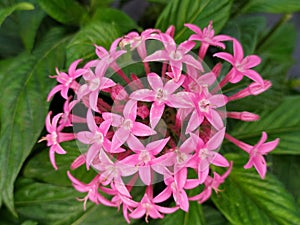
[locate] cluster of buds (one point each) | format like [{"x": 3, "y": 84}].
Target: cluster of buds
[{"x": 162, "y": 126}]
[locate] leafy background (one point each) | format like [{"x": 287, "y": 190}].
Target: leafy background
[{"x": 38, "y": 35}]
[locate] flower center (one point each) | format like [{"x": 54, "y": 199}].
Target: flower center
[
  {"x": 176, "y": 55},
  {"x": 98, "y": 137},
  {"x": 181, "y": 157},
  {"x": 127, "y": 124},
  {"x": 204, "y": 105},
  {"x": 203, "y": 153},
  {"x": 144, "y": 157},
  {"x": 160, "y": 95},
  {"x": 94, "y": 84}
]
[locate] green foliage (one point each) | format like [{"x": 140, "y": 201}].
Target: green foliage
[
  {"x": 247, "y": 199},
  {"x": 198, "y": 12},
  {"x": 271, "y": 6},
  {"x": 5, "y": 12}
]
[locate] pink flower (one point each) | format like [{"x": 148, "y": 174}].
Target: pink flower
[
  {"x": 174, "y": 188},
  {"x": 176, "y": 56},
  {"x": 143, "y": 156},
  {"x": 66, "y": 80},
  {"x": 92, "y": 190},
  {"x": 148, "y": 208},
  {"x": 112, "y": 172},
  {"x": 207, "y": 37},
  {"x": 206, "y": 154},
  {"x": 205, "y": 106},
  {"x": 256, "y": 152},
  {"x": 126, "y": 126},
  {"x": 55, "y": 137},
  {"x": 241, "y": 66},
  {"x": 160, "y": 95},
  {"x": 96, "y": 138},
  {"x": 211, "y": 183},
  {"x": 95, "y": 83}
]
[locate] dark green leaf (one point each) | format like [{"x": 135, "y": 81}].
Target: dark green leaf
[
  {"x": 40, "y": 168},
  {"x": 82, "y": 45},
  {"x": 25, "y": 82},
  {"x": 282, "y": 122},
  {"x": 247, "y": 30},
  {"x": 198, "y": 12},
  {"x": 247, "y": 199},
  {"x": 115, "y": 17},
  {"x": 53, "y": 205},
  {"x": 64, "y": 11},
  {"x": 5, "y": 12},
  {"x": 28, "y": 24},
  {"x": 271, "y": 6},
  {"x": 287, "y": 168},
  {"x": 213, "y": 216}
]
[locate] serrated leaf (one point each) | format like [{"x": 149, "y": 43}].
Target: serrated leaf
[
  {"x": 40, "y": 168},
  {"x": 82, "y": 44},
  {"x": 5, "y": 12},
  {"x": 64, "y": 11},
  {"x": 25, "y": 82},
  {"x": 115, "y": 17},
  {"x": 282, "y": 122},
  {"x": 247, "y": 199},
  {"x": 198, "y": 12},
  {"x": 54, "y": 205},
  {"x": 271, "y": 6}
]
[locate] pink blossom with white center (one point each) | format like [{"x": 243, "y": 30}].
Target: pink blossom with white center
[
  {"x": 67, "y": 80},
  {"x": 160, "y": 95},
  {"x": 91, "y": 189},
  {"x": 177, "y": 191},
  {"x": 206, "y": 154},
  {"x": 241, "y": 66},
  {"x": 95, "y": 83},
  {"x": 211, "y": 183},
  {"x": 96, "y": 138},
  {"x": 55, "y": 137},
  {"x": 205, "y": 106},
  {"x": 143, "y": 156},
  {"x": 176, "y": 56},
  {"x": 126, "y": 126},
  {"x": 112, "y": 172},
  {"x": 256, "y": 152},
  {"x": 207, "y": 37},
  {"x": 148, "y": 208}
]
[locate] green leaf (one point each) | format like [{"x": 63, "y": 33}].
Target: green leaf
[
  {"x": 198, "y": 12},
  {"x": 287, "y": 168},
  {"x": 82, "y": 44},
  {"x": 247, "y": 30},
  {"x": 271, "y": 6},
  {"x": 28, "y": 24},
  {"x": 115, "y": 17},
  {"x": 25, "y": 82},
  {"x": 214, "y": 216},
  {"x": 282, "y": 122},
  {"x": 5, "y": 12},
  {"x": 39, "y": 167},
  {"x": 247, "y": 199},
  {"x": 54, "y": 205},
  {"x": 64, "y": 11}
]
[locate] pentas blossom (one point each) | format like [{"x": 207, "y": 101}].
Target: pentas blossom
[{"x": 154, "y": 128}]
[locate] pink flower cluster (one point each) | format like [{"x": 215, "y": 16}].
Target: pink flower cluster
[{"x": 165, "y": 124}]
